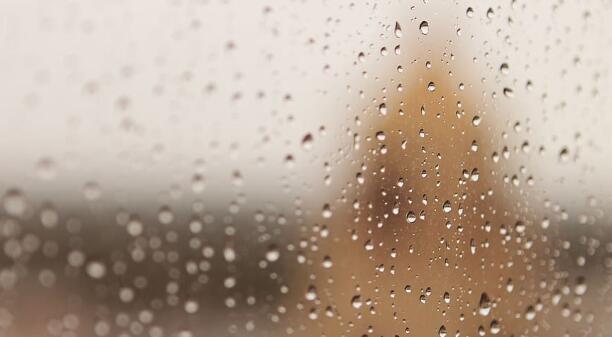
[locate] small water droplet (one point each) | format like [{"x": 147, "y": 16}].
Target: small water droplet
[
  {"x": 581, "y": 286},
  {"x": 411, "y": 217},
  {"x": 361, "y": 57},
  {"x": 46, "y": 169},
  {"x": 519, "y": 227},
  {"x": 382, "y": 108},
  {"x": 229, "y": 254},
  {"x": 307, "y": 141},
  {"x": 490, "y": 13},
  {"x": 424, "y": 27},
  {"x": 327, "y": 262},
  {"x": 191, "y": 307},
  {"x": 494, "y": 327},
  {"x": 398, "y": 30},
  {"x": 504, "y": 68},
  {"x": 508, "y": 92},
  {"x": 92, "y": 191},
  {"x": 564, "y": 154},
  {"x": 96, "y": 269},
  {"x": 327, "y": 212},
  {"x": 484, "y": 305},
  {"x": 14, "y": 202},
  {"x": 469, "y": 12},
  {"x": 311, "y": 293},
  {"x": 198, "y": 184},
  {"x": 273, "y": 254},
  {"x": 442, "y": 331},
  {"x": 476, "y": 120}
]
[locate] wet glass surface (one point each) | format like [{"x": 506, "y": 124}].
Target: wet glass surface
[{"x": 305, "y": 168}]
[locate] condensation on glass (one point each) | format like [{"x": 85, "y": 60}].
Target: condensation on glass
[{"x": 185, "y": 168}]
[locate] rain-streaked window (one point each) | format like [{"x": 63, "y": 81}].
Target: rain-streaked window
[{"x": 208, "y": 168}]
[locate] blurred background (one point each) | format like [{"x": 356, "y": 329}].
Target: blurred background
[{"x": 305, "y": 168}]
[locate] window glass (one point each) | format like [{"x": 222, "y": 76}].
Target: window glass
[{"x": 186, "y": 168}]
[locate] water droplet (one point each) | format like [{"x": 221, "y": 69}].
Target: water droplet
[
  {"x": 476, "y": 120},
  {"x": 398, "y": 30},
  {"x": 327, "y": 262},
  {"x": 442, "y": 331},
  {"x": 564, "y": 154},
  {"x": 530, "y": 313},
  {"x": 469, "y": 12},
  {"x": 508, "y": 92},
  {"x": 475, "y": 175},
  {"x": 361, "y": 57},
  {"x": 447, "y": 206},
  {"x": 96, "y": 269},
  {"x": 356, "y": 302},
  {"x": 424, "y": 27},
  {"x": 519, "y": 227},
  {"x": 92, "y": 191},
  {"x": 134, "y": 227},
  {"x": 494, "y": 327},
  {"x": 581, "y": 286},
  {"x": 311, "y": 293},
  {"x": 411, "y": 217},
  {"x": 229, "y": 282},
  {"x": 76, "y": 258},
  {"x": 165, "y": 215},
  {"x": 490, "y": 13},
  {"x": 272, "y": 254},
  {"x": 46, "y": 169},
  {"x": 198, "y": 183},
  {"x": 126, "y": 294},
  {"x": 191, "y": 307},
  {"x": 484, "y": 305},
  {"x": 49, "y": 217},
  {"x": 229, "y": 254},
  {"x": 14, "y": 202},
  {"x": 504, "y": 68},
  {"x": 327, "y": 212},
  {"x": 307, "y": 141},
  {"x": 382, "y": 108},
  {"x": 509, "y": 286}
]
